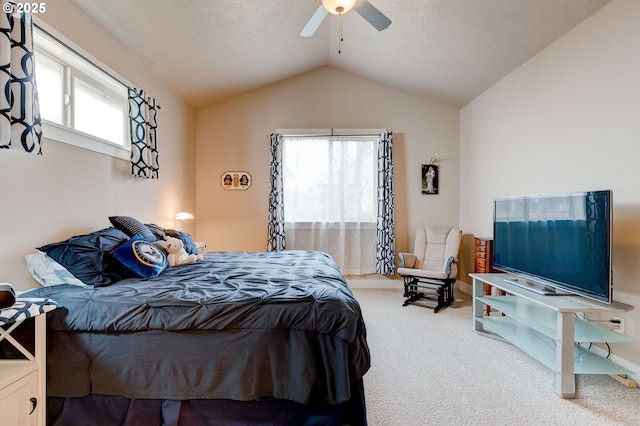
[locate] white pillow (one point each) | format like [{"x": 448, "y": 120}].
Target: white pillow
[{"x": 48, "y": 272}]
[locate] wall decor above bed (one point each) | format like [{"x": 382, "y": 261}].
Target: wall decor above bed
[{"x": 236, "y": 180}]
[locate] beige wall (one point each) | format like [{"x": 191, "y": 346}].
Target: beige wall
[
  {"x": 234, "y": 135},
  {"x": 567, "y": 120},
  {"x": 69, "y": 190}
]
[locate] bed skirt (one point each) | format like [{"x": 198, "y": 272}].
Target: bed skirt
[{"x": 116, "y": 410}]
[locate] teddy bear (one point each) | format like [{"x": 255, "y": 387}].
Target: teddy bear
[{"x": 177, "y": 254}]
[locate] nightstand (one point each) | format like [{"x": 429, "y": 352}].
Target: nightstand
[
  {"x": 23, "y": 390},
  {"x": 201, "y": 246}
]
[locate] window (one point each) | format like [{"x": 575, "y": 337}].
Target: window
[
  {"x": 80, "y": 103},
  {"x": 50, "y": 88},
  {"x": 330, "y": 179},
  {"x": 330, "y": 197}
]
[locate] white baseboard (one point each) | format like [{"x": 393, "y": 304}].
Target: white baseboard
[
  {"x": 464, "y": 287},
  {"x": 374, "y": 281},
  {"x": 635, "y": 368}
]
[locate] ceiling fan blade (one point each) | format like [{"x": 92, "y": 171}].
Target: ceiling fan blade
[
  {"x": 372, "y": 15},
  {"x": 314, "y": 22}
]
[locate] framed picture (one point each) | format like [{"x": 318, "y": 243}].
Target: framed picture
[
  {"x": 236, "y": 180},
  {"x": 429, "y": 179}
]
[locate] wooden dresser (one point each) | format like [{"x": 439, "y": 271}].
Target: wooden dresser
[
  {"x": 483, "y": 256},
  {"x": 483, "y": 261}
]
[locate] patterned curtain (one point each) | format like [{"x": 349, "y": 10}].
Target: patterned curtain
[
  {"x": 20, "y": 124},
  {"x": 144, "y": 140},
  {"x": 275, "y": 238},
  {"x": 386, "y": 237}
]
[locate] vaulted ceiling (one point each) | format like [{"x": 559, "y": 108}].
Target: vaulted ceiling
[{"x": 447, "y": 50}]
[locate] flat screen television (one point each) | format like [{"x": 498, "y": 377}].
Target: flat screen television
[{"x": 556, "y": 243}]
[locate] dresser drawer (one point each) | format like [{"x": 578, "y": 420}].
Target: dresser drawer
[{"x": 481, "y": 263}]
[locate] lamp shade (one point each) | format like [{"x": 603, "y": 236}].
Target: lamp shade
[
  {"x": 338, "y": 6},
  {"x": 183, "y": 216}
]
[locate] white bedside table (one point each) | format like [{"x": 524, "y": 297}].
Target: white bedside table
[
  {"x": 201, "y": 246},
  {"x": 23, "y": 389}
]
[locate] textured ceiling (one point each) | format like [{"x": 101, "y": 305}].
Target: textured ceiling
[{"x": 448, "y": 50}]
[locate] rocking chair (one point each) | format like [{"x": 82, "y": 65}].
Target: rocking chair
[{"x": 431, "y": 269}]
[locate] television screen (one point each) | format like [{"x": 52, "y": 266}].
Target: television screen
[{"x": 556, "y": 242}]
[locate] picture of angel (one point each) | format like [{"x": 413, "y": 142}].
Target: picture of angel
[{"x": 429, "y": 179}]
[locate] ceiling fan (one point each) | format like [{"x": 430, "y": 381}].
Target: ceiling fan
[{"x": 340, "y": 7}]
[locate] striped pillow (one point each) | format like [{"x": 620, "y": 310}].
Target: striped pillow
[{"x": 132, "y": 227}]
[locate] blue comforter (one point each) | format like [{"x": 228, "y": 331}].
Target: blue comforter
[{"x": 234, "y": 325}]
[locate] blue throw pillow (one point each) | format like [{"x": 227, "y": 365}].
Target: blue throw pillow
[
  {"x": 87, "y": 256},
  {"x": 141, "y": 257}
]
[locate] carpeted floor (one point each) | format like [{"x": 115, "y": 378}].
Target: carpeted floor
[{"x": 433, "y": 369}]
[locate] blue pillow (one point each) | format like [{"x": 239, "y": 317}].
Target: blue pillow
[
  {"x": 158, "y": 231},
  {"x": 141, "y": 257},
  {"x": 87, "y": 256}
]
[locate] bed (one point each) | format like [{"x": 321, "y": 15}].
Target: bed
[{"x": 235, "y": 338}]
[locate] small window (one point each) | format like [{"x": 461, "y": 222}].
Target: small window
[
  {"x": 50, "y": 75},
  {"x": 80, "y": 102},
  {"x": 96, "y": 112}
]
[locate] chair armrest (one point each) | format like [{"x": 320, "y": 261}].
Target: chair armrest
[
  {"x": 450, "y": 261},
  {"x": 407, "y": 260}
]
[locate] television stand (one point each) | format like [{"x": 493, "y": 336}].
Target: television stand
[
  {"x": 546, "y": 328},
  {"x": 536, "y": 287}
]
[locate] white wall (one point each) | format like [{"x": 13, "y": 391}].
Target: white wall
[
  {"x": 69, "y": 190},
  {"x": 234, "y": 135},
  {"x": 567, "y": 120}
]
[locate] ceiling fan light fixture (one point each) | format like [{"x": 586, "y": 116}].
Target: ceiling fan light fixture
[{"x": 338, "y": 7}]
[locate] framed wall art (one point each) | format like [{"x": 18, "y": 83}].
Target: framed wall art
[
  {"x": 236, "y": 180},
  {"x": 429, "y": 179}
]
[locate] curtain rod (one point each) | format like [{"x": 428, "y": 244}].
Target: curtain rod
[
  {"x": 322, "y": 132},
  {"x": 313, "y": 135}
]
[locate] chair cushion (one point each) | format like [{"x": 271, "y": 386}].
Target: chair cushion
[
  {"x": 423, "y": 273},
  {"x": 434, "y": 247}
]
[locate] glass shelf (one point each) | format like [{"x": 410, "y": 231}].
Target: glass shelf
[
  {"x": 544, "y": 320},
  {"x": 544, "y": 348}
]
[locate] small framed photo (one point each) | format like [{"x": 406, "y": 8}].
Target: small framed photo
[
  {"x": 429, "y": 179},
  {"x": 236, "y": 180}
]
